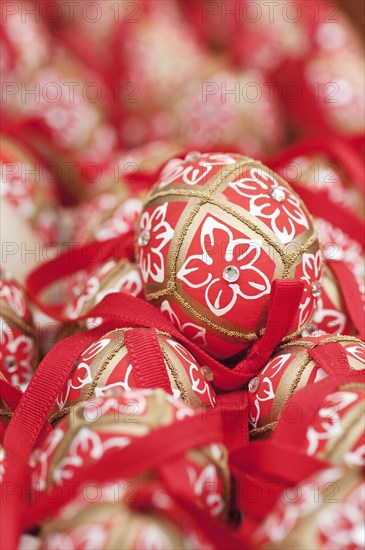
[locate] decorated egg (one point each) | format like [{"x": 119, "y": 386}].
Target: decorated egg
[
  {"x": 112, "y": 361},
  {"x": 105, "y": 217},
  {"x": 336, "y": 433},
  {"x": 215, "y": 231},
  {"x": 229, "y": 109},
  {"x": 335, "y": 174},
  {"x": 97, "y": 428},
  {"x": 154, "y": 73},
  {"x": 113, "y": 208},
  {"x": 267, "y": 37},
  {"x": 290, "y": 369},
  {"x": 338, "y": 245}
]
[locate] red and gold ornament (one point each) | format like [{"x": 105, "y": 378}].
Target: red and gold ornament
[
  {"x": 230, "y": 109},
  {"x": 215, "y": 231},
  {"x": 112, "y": 422},
  {"x": 110, "y": 363},
  {"x": 150, "y": 75},
  {"x": 290, "y": 369}
]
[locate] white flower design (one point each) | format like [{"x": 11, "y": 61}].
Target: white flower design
[
  {"x": 357, "y": 351},
  {"x": 266, "y": 390},
  {"x": 283, "y": 217},
  {"x": 330, "y": 320},
  {"x": 329, "y": 424},
  {"x": 87, "y": 443},
  {"x": 191, "y": 173},
  {"x": 198, "y": 384},
  {"x": 151, "y": 259},
  {"x": 18, "y": 189},
  {"x": 73, "y": 308},
  {"x": 130, "y": 283},
  {"x": 287, "y": 513},
  {"x": 205, "y": 270}
]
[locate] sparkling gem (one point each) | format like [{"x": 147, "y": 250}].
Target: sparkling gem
[
  {"x": 278, "y": 195},
  {"x": 193, "y": 155},
  {"x": 316, "y": 288},
  {"x": 144, "y": 238},
  {"x": 207, "y": 373},
  {"x": 10, "y": 363},
  {"x": 254, "y": 384},
  {"x": 231, "y": 274},
  {"x": 312, "y": 328}
]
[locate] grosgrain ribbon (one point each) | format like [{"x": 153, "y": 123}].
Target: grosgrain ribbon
[
  {"x": 130, "y": 311},
  {"x": 48, "y": 380},
  {"x": 351, "y": 295},
  {"x": 288, "y": 463}
]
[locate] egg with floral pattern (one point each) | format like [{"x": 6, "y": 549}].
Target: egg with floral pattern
[
  {"x": 114, "y": 362},
  {"x": 215, "y": 232}
]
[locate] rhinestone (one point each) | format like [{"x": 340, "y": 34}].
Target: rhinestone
[
  {"x": 10, "y": 363},
  {"x": 316, "y": 288},
  {"x": 144, "y": 238},
  {"x": 254, "y": 384},
  {"x": 207, "y": 373},
  {"x": 231, "y": 274},
  {"x": 278, "y": 195},
  {"x": 193, "y": 155},
  {"x": 312, "y": 328}
]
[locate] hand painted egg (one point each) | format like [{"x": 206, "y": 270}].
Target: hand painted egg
[{"x": 214, "y": 233}]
